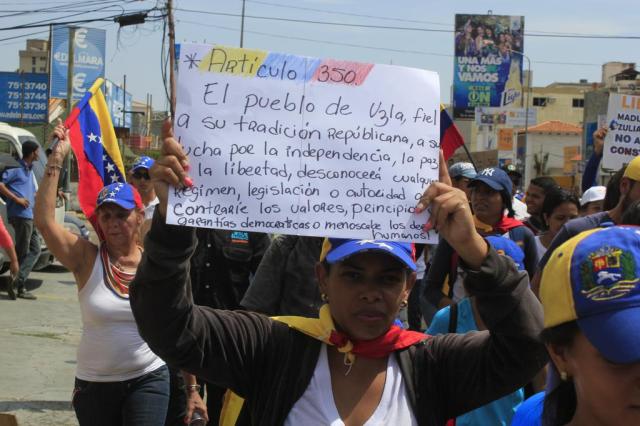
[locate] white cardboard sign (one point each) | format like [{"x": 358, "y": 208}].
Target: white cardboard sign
[
  {"x": 296, "y": 145},
  {"x": 622, "y": 143}
]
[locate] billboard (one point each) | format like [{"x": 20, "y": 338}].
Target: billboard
[
  {"x": 507, "y": 116},
  {"x": 487, "y": 63},
  {"x": 117, "y": 101},
  {"x": 88, "y": 64},
  {"x": 24, "y": 97}
]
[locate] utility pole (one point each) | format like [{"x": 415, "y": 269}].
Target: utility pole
[
  {"x": 66, "y": 187},
  {"x": 242, "y": 25},
  {"x": 172, "y": 59}
]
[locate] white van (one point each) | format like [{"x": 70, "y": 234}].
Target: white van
[{"x": 11, "y": 140}]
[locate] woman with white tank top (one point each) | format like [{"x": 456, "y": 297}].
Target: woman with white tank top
[{"x": 119, "y": 380}]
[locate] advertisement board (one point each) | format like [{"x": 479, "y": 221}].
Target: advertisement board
[
  {"x": 487, "y": 62},
  {"x": 24, "y": 97},
  {"x": 117, "y": 102},
  {"x": 507, "y": 116},
  {"x": 88, "y": 65}
]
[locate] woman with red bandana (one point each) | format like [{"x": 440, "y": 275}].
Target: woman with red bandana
[
  {"x": 351, "y": 366},
  {"x": 493, "y": 215}
]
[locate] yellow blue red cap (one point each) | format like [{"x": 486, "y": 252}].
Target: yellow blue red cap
[{"x": 593, "y": 279}]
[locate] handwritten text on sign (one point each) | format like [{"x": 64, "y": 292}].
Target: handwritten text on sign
[
  {"x": 294, "y": 145},
  {"x": 622, "y": 143}
]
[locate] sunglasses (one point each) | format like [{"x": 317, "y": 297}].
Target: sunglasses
[{"x": 140, "y": 174}]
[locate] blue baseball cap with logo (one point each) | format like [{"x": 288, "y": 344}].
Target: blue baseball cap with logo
[
  {"x": 337, "y": 249},
  {"x": 497, "y": 179},
  {"x": 121, "y": 194},
  {"x": 507, "y": 247},
  {"x": 594, "y": 279},
  {"x": 142, "y": 162}
]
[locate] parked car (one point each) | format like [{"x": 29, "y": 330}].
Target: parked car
[{"x": 11, "y": 140}]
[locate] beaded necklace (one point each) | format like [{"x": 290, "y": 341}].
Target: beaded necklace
[{"x": 115, "y": 277}]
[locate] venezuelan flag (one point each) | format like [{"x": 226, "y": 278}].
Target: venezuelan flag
[
  {"x": 450, "y": 137},
  {"x": 95, "y": 146}
]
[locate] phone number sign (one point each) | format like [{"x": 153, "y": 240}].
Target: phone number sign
[{"x": 24, "y": 97}]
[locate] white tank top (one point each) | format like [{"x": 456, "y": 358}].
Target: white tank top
[
  {"x": 316, "y": 407},
  {"x": 111, "y": 349}
]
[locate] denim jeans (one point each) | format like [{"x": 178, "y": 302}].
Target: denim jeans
[{"x": 141, "y": 401}]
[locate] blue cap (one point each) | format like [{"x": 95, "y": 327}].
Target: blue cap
[
  {"x": 497, "y": 179},
  {"x": 142, "y": 162},
  {"x": 122, "y": 194},
  {"x": 462, "y": 169},
  {"x": 506, "y": 247},
  {"x": 594, "y": 279},
  {"x": 337, "y": 249}
]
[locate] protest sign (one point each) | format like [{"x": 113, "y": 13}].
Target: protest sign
[
  {"x": 295, "y": 145},
  {"x": 622, "y": 143}
]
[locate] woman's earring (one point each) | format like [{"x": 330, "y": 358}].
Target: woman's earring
[
  {"x": 324, "y": 298},
  {"x": 564, "y": 376},
  {"x": 404, "y": 304}
]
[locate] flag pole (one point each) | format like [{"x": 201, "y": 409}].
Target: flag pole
[
  {"x": 464, "y": 145},
  {"x": 172, "y": 58}
]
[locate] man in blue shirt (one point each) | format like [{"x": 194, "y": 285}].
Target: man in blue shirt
[{"x": 18, "y": 188}]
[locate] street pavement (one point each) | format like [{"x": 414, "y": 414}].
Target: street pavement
[{"x": 38, "y": 350}]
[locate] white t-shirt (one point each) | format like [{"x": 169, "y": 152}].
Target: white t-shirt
[
  {"x": 519, "y": 208},
  {"x": 317, "y": 406}
]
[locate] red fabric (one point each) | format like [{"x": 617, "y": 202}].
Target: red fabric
[
  {"x": 395, "y": 339},
  {"x": 505, "y": 224},
  {"x": 450, "y": 137},
  {"x": 5, "y": 238}
]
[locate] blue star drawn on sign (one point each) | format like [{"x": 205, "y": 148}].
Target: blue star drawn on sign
[{"x": 192, "y": 60}]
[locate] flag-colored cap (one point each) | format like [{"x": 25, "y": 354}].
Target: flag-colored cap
[
  {"x": 633, "y": 169},
  {"x": 593, "y": 279},
  {"x": 142, "y": 162},
  {"x": 337, "y": 249},
  {"x": 506, "y": 247},
  {"x": 122, "y": 194}
]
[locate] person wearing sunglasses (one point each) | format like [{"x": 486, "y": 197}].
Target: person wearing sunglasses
[{"x": 139, "y": 178}]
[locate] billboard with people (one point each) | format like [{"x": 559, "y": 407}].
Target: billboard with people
[{"x": 487, "y": 63}]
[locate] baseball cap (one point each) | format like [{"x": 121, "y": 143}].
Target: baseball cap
[
  {"x": 337, "y": 249},
  {"x": 506, "y": 247},
  {"x": 462, "y": 169},
  {"x": 497, "y": 179},
  {"x": 28, "y": 147},
  {"x": 142, "y": 162},
  {"x": 122, "y": 194},
  {"x": 595, "y": 193},
  {"x": 512, "y": 169},
  {"x": 633, "y": 169},
  {"x": 594, "y": 279}
]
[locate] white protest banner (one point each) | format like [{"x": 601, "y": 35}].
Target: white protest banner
[
  {"x": 623, "y": 139},
  {"x": 295, "y": 145}
]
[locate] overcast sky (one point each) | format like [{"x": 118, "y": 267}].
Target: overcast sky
[{"x": 135, "y": 51}]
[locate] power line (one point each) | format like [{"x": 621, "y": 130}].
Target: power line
[
  {"x": 82, "y": 21},
  {"x": 386, "y": 49},
  {"x": 397, "y": 28},
  {"x": 335, "y": 12}
]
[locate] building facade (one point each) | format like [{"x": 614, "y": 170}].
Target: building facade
[{"x": 35, "y": 58}]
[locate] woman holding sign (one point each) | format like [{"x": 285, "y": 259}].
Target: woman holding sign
[{"x": 351, "y": 366}]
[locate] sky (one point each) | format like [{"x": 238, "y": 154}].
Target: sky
[{"x": 136, "y": 51}]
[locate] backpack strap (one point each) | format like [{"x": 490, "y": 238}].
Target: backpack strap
[
  {"x": 453, "y": 272},
  {"x": 453, "y": 318}
]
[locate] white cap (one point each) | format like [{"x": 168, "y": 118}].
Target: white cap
[{"x": 595, "y": 193}]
